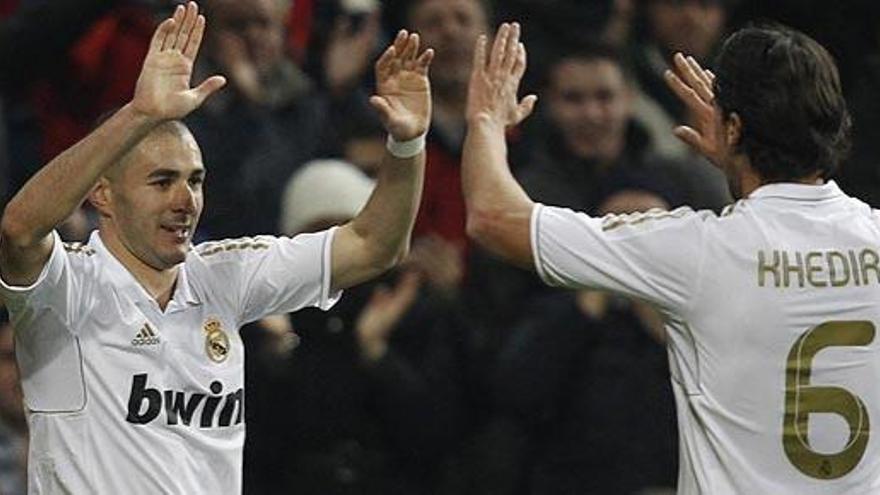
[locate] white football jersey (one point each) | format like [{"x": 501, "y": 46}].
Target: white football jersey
[
  {"x": 123, "y": 397},
  {"x": 772, "y": 309}
]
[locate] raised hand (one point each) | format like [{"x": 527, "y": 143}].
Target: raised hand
[
  {"x": 403, "y": 92},
  {"x": 494, "y": 83},
  {"x": 438, "y": 261},
  {"x": 693, "y": 86},
  {"x": 163, "y": 89},
  {"x": 348, "y": 54},
  {"x": 238, "y": 65}
]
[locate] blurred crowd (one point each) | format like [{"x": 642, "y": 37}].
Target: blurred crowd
[{"x": 455, "y": 374}]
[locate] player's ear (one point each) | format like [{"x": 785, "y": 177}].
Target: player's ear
[
  {"x": 733, "y": 130},
  {"x": 101, "y": 197}
]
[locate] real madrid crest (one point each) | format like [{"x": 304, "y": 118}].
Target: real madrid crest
[{"x": 216, "y": 342}]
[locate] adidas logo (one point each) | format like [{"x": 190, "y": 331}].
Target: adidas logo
[{"x": 145, "y": 336}]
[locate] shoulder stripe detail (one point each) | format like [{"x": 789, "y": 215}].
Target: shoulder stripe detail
[
  {"x": 255, "y": 243},
  {"x": 611, "y": 222}
]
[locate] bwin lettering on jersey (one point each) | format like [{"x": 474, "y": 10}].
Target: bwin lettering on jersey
[{"x": 146, "y": 404}]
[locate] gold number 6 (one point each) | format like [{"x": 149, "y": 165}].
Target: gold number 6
[{"x": 803, "y": 399}]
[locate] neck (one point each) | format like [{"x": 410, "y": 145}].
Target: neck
[
  {"x": 159, "y": 284},
  {"x": 448, "y": 118},
  {"x": 749, "y": 179}
]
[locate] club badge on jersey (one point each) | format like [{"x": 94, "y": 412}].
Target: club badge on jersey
[{"x": 216, "y": 341}]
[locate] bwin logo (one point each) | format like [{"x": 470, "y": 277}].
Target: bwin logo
[{"x": 145, "y": 404}]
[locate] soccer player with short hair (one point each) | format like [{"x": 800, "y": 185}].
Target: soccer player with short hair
[
  {"x": 131, "y": 362},
  {"x": 771, "y": 307}
]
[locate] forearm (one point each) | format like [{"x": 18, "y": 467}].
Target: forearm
[
  {"x": 378, "y": 237},
  {"x": 498, "y": 209},
  {"x": 488, "y": 183},
  {"x": 386, "y": 221},
  {"x": 54, "y": 192}
]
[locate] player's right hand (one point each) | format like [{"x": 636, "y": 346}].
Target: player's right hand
[
  {"x": 403, "y": 91},
  {"x": 163, "y": 89}
]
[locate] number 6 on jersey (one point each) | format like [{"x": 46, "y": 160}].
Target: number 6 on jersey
[{"x": 803, "y": 399}]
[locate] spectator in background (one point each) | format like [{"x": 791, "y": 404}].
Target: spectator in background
[
  {"x": 694, "y": 27},
  {"x": 273, "y": 117},
  {"x": 33, "y": 33},
  {"x": 588, "y": 141},
  {"x": 547, "y": 25},
  {"x": 579, "y": 372},
  {"x": 450, "y": 27},
  {"x": 371, "y": 400},
  {"x": 13, "y": 429},
  {"x": 50, "y": 101},
  {"x": 590, "y": 136},
  {"x": 340, "y": 38}
]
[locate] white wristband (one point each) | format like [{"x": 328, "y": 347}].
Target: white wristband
[{"x": 405, "y": 149}]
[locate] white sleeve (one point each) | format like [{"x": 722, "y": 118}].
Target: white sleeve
[
  {"x": 45, "y": 316},
  {"x": 291, "y": 274},
  {"x": 55, "y": 290},
  {"x": 654, "y": 256}
]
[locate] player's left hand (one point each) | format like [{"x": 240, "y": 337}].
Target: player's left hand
[
  {"x": 403, "y": 92},
  {"x": 693, "y": 86},
  {"x": 492, "y": 91}
]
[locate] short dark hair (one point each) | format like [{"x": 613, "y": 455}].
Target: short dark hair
[
  {"x": 410, "y": 6},
  {"x": 786, "y": 90},
  {"x": 589, "y": 51},
  {"x": 164, "y": 127}
]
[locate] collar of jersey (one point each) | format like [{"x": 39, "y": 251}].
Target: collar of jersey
[
  {"x": 120, "y": 277},
  {"x": 792, "y": 190}
]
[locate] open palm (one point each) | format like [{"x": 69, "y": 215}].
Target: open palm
[
  {"x": 494, "y": 83},
  {"x": 693, "y": 86},
  {"x": 403, "y": 92},
  {"x": 163, "y": 88}
]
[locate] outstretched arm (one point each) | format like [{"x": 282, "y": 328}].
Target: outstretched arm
[
  {"x": 498, "y": 209},
  {"x": 163, "y": 93},
  {"x": 378, "y": 237}
]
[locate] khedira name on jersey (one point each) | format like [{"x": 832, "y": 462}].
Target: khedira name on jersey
[{"x": 821, "y": 268}]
